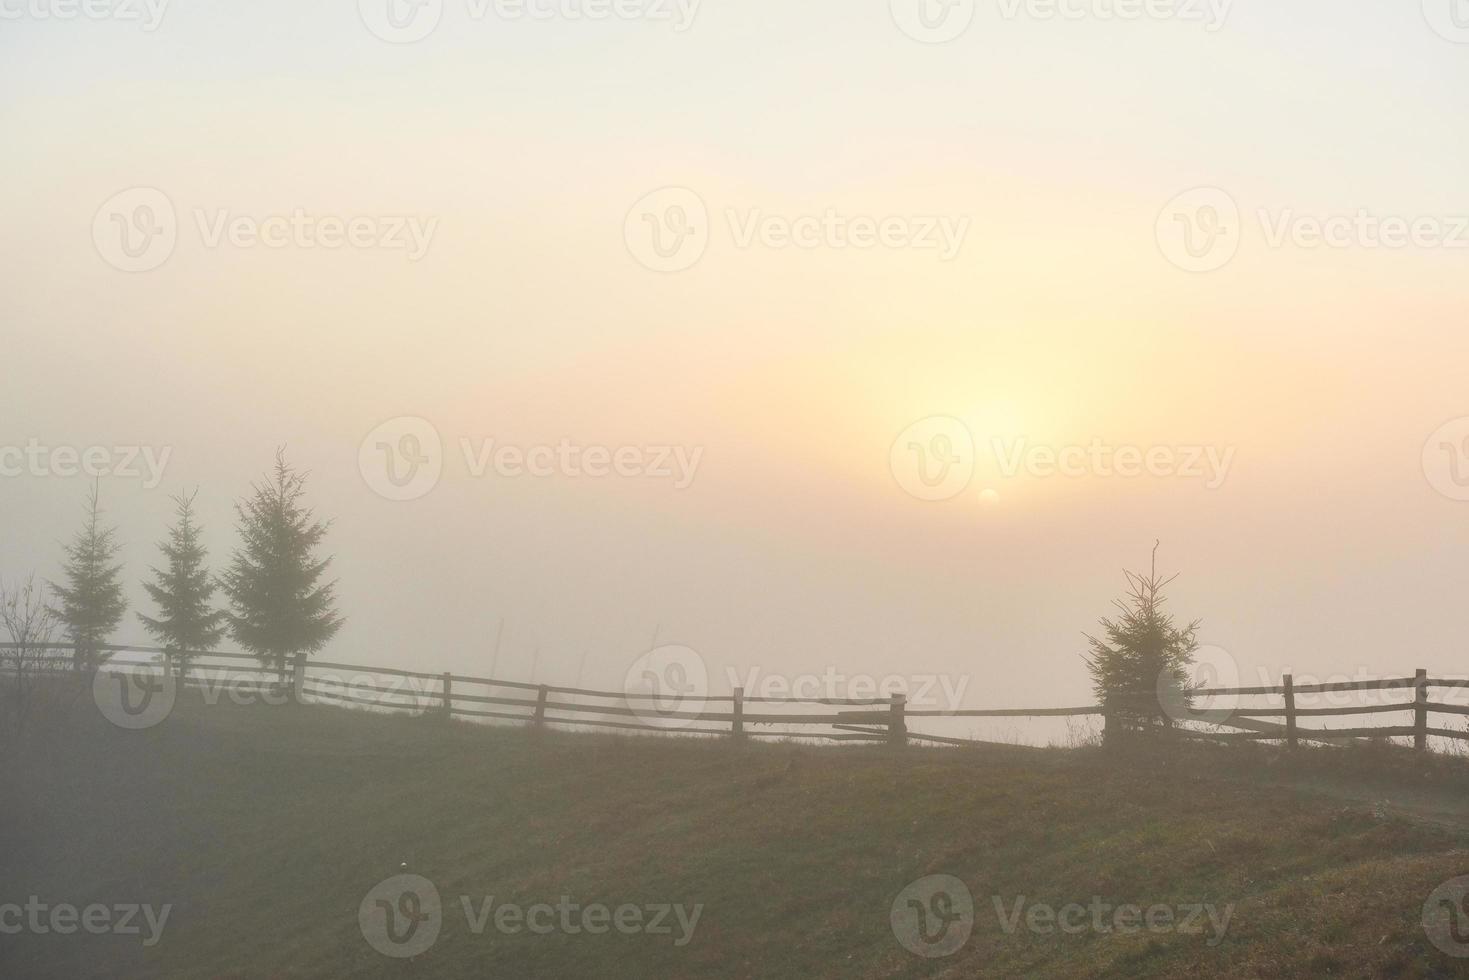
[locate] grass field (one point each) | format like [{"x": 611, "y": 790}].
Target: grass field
[{"x": 265, "y": 828}]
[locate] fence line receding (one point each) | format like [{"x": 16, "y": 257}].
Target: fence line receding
[{"x": 856, "y": 719}]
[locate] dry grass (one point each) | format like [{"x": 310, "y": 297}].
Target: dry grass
[{"x": 266, "y": 827}]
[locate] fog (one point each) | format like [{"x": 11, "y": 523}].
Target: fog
[
  {"x": 734, "y": 488},
  {"x": 764, "y": 514}
]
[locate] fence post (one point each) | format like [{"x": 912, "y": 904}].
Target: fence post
[
  {"x": 738, "y": 727},
  {"x": 1420, "y": 710},
  {"x": 897, "y": 726},
  {"x": 448, "y": 695},
  {"x": 298, "y": 677},
  {"x": 1290, "y": 710},
  {"x": 540, "y": 717},
  {"x": 1111, "y": 734}
]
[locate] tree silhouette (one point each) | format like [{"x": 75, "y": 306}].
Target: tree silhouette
[
  {"x": 279, "y": 608},
  {"x": 92, "y": 602},
  {"x": 186, "y": 624},
  {"x": 27, "y": 618},
  {"x": 1140, "y": 667}
]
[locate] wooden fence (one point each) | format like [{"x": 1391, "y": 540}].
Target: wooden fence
[{"x": 854, "y": 719}]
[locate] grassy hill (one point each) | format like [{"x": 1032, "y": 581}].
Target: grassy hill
[{"x": 265, "y": 828}]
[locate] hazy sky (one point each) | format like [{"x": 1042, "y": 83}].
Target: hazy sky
[{"x": 1060, "y": 313}]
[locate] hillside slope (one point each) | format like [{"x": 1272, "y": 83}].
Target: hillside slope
[{"x": 266, "y": 828}]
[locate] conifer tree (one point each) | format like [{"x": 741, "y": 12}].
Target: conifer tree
[
  {"x": 92, "y": 602},
  {"x": 280, "y": 610},
  {"x": 1140, "y": 664},
  {"x": 187, "y": 624}
]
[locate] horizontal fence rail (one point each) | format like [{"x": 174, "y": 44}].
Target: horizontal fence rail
[{"x": 885, "y": 720}]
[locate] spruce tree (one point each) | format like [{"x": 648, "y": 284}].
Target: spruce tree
[
  {"x": 280, "y": 610},
  {"x": 92, "y": 602},
  {"x": 186, "y": 624},
  {"x": 1140, "y": 664}
]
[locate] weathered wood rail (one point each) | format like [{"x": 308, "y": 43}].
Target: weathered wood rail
[{"x": 855, "y": 719}]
